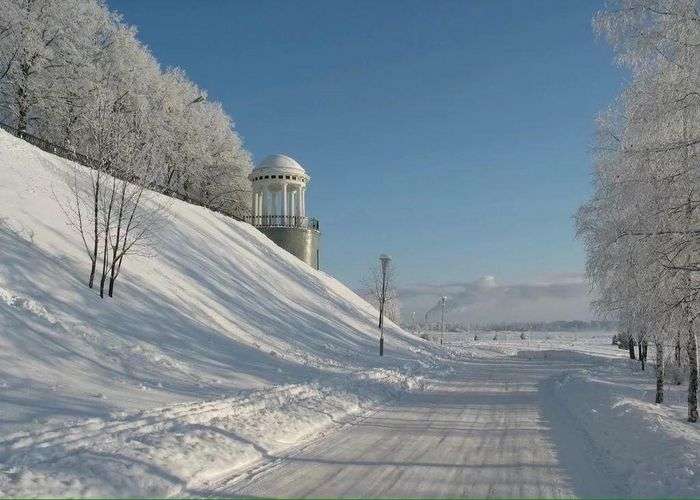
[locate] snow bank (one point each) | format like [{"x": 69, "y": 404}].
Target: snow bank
[
  {"x": 180, "y": 448},
  {"x": 650, "y": 448}
]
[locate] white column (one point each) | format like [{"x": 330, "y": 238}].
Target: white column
[
  {"x": 303, "y": 202},
  {"x": 285, "y": 201},
  {"x": 254, "y": 207},
  {"x": 292, "y": 202}
]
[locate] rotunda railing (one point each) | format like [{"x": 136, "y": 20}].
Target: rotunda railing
[{"x": 283, "y": 221}]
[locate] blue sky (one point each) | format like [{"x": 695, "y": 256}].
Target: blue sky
[{"x": 454, "y": 136}]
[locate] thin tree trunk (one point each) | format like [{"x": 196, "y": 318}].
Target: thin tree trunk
[
  {"x": 104, "y": 265},
  {"x": 692, "y": 374},
  {"x": 115, "y": 247},
  {"x": 659, "y": 372},
  {"x": 112, "y": 279},
  {"x": 105, "y": 254},
  {"x": 640, "y": 354},
  {"x": 91, "y": 281},
  {"x": 96, "y": 233},
  {"x": 692, "y": 340},
  {"x": 631, "y": 347}
]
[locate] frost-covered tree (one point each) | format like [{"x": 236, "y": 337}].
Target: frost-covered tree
[
  {"x": 74, "y": 74},
  {"x": 46, "y": 50},
  {"x": 641, "y": 226},
  {"x": 56, "y": 56},
  {"x": 203, "y": 158}
]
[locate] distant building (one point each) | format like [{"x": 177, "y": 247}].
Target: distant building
[{"x": 279, "y": 207}]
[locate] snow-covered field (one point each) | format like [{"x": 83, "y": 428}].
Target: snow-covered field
[
  {"x": 221, "y": 353},
  {"x": 499, "y": 342}
]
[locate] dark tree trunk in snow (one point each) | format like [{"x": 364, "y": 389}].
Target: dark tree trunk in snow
[
  {"x": 659, "y": 372},
  {"x": 104, "y": 268},
  {"x": 105, "y": 248},
  {"x": 114, "y": 273},
  {"x": 631, "y": 348},
  {"x": 692, "y": 375},
  {"x": 96, "y": 229},
  {"x": 91, "y": 281},
  {"x": 642, "y": 348}
]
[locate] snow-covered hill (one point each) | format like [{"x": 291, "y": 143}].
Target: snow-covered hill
[{"x": 216, "y": 311}]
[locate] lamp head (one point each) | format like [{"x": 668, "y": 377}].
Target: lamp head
[{"x": 384, "y": 259}]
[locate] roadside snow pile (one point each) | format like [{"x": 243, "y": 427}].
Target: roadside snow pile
[
  {"x": 176, "y": 449},
  {"x": 650, "y": 448}
]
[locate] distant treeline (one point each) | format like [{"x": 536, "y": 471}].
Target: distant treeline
[{"x": 533, "y": 326}]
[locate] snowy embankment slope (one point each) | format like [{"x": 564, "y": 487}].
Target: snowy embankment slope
[{"x": 216, "y": 311}]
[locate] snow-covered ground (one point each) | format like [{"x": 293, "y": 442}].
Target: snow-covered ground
[
  {"x": 499, "y": 342},
  {"x": 222, "y": 354},
  {"x": 647, "y": 450},
  {"x": 543, "y": 423},
  {"x": 216, "y": 349}
]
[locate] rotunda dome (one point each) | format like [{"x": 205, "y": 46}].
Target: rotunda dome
[{"x": 279, "y": 161}]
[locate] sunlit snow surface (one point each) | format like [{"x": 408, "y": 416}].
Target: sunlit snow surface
[{"x": 221, "y": 353}]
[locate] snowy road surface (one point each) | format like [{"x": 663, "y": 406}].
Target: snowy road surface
[{"x": 486, "y": 430}]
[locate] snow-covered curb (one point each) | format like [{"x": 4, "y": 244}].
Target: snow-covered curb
[
  {"x": 647, "y": 447},
  {"x": 167, "y": 451}
]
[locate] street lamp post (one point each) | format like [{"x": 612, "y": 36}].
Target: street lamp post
[
  {"x": 384, "y": 260},
  {"x": 442, "y": 320}
]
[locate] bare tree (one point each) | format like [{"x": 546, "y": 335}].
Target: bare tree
[{"x": 372, "y": 291}]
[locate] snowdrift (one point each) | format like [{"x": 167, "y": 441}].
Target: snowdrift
[
  {"x": 649, "y": 449},
  {"x": 217, "y": 311}
]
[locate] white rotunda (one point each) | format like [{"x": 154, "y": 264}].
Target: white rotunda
[
  {"x": 279, "y": 187},
  {"x": 279, "y": 207}
]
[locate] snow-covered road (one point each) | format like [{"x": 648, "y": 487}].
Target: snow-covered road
[{"x": 486, "y": 430}]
